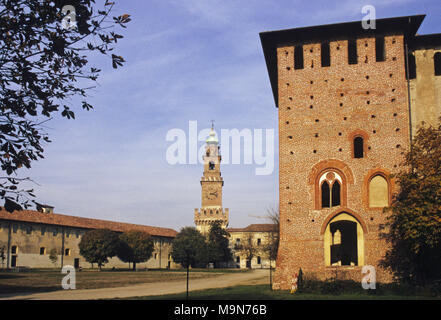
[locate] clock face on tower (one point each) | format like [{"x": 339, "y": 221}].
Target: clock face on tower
[{"x": 211, "y": 193}]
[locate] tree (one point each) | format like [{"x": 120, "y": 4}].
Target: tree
[
  {"x": 272, "y": 245},
  {"x": 45, "y": 47},
  {"x": 2, "y": 255},
  {"x": 413, "y": 228},
  {"x": 96, "y": 246},
  {"x": 247, "y": 248},
  {"x": 53, "y": 256},
  {"x": 189, "y": 248},
  {"x": 218, "y": 244},
  {"x": 136, "y": 246}
]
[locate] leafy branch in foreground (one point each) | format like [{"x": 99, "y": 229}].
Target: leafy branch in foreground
[{"x": 43, "y": 65}]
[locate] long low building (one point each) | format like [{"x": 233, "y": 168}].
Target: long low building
[{"x": 28, "y": 237}]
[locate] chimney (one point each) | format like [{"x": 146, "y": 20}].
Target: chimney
[{"x": 44, "y": 208}]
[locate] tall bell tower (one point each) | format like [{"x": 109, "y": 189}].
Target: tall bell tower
[{"x": 211, "y": 184}]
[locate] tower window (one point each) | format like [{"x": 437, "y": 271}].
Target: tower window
[
  {"x": 325, "y": 195},
  {"x": 378, "y": 192},
  {"x": 336, "y": 194},
  {"x": 358, "y": 147},
  {"x": 437, "y": 62},
  {"x": 352, "y": 52},
  {"x": 211, "y": 165},
  {"x": 325, "y": 54},
  {"x": 330, "y": 190},
  {"x": 379, "y": 49},
  {"x": 298, "y": 57},
  {"x": 331, "y": 194},
  {"x": 412, "y": 67}
]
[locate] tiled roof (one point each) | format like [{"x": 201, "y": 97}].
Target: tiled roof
[
  {"x": 269, "y": 227},
  {"x": 80, "y": 222}
]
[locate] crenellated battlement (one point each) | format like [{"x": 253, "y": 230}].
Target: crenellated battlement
[{"x": 205, "y": 216}]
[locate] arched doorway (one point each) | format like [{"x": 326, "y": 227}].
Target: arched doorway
[{"x": 344, "y": 241}]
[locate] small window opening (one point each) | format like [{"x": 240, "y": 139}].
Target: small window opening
[
  {"x": 358, "y": 147},
  {"x": 325, "y": 54},
  {"x": 298, "y": 57},
  {"x": 42, "y": 251},
  {"x": 380, "y": 49},
  {"x": 412, "y": 67},
  {"x": 437, "y": 61},
  {"x": 352, "y": 52}
]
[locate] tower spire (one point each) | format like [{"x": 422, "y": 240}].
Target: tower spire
[{"x": 211, "y": 183}]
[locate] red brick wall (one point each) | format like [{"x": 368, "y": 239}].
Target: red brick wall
[{"x": 321, "y": 109}]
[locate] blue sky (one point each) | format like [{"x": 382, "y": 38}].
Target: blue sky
[{"x": 186, "y": 60}]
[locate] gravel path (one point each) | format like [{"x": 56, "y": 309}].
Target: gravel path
[{"x": 258, "y": 276}]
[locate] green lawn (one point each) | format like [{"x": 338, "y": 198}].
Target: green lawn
[
  {"x": 263, "y": 292},
  {"x": 43, "y": 280}
]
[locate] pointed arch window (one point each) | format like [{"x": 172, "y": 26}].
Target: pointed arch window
[
  {"x": 331, "y": 189},
  {"x": 378, "y": 191},
  {"x": 326, "y": 203},
  {"x": 336, "y": 194}
]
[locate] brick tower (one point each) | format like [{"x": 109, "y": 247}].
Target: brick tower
[
  {"x": 211, "y": 185},
  {"x": 344, "y": 121}
]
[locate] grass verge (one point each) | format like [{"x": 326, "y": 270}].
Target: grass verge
[{"x": 263, "y": 292}]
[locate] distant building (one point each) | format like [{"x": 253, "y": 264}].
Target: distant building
[
  {"x": 30, "y": 236},
  {"x": 211, "y": 210},
  {"x": 257, "y": 238},
  {"x": 349, "y": 101}
]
